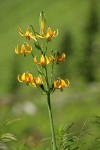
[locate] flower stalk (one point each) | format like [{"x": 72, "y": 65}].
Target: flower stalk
[{"x": 51, "y": 122}]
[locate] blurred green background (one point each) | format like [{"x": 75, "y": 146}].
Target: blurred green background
[{"x": 78, "y": 23}]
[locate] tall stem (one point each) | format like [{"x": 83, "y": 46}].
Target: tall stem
[{"x": 51, "y": 122}]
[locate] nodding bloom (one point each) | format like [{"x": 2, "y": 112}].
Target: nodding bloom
[
  {"x": 50, "y": 34},
  {"x": 25, "y": 77},
  {"x": 23, "y": 50},
  {"x": 43, "y": 60},
  {"x": 37, "y": 81},
  {"x": 60, "y": 59},
  {"x": 60, "y": 84},
  {"x": 28, "y": 34}
]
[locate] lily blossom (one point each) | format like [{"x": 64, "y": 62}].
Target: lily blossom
[
  {"x": 23, "y": 50},
  {"x": 37, "y": 81},
  {"x": 60, "y": 59},
  {"x": 28, "y": 34},
  {"x": 43, "y": 60},
  {"x": 60, "y": 84},
  {"x": 50, "y": 34},
  {"x": 25, "y": 77}
]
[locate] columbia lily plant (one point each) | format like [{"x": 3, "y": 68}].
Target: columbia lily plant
[{"x": 44, "y": 81}]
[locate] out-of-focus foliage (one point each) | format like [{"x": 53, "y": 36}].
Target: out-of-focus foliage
[{"x": 87, "y": 66}]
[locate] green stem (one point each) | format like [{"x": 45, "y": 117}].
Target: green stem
[
  {"x": 46, "y": 77},
  {"x": 52, "y": 71},
  {"x": 51, "y": 122}
]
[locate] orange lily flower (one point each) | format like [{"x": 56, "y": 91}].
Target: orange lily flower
[
  {"x": 60, "y": 59},
  {"x": 28, "y": 34},
  {"x": 60, "y": 84},
  {"x": 23, "y": 49},
  {"x": 43, "y": 61},
  {"x": 37, "y": 81},
  {"x": 50, "y": 34},
  {"x": 25, "y": 77}
]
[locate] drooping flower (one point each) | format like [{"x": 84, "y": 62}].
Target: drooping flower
[
  {"x": 43, "y": 60},
  {"x": 25, "y": 77},
  {"x": 59, "y": 58},
  {"x": 38, "y": 80},
  {"x": 24, "y": 49},
  {"x": 28, "y": 34},
  {"x": 50, "y": 34},
  {"x": 60, "y": 84}
]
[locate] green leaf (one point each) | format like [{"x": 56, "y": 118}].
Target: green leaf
[
  {"x": 37, "y": 46},
  {"x": 7, "y": 137}
]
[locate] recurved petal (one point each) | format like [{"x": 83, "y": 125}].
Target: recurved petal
[
  {"x": 63, "y": 57},
  {"x": 19, "y": 78},
  {"x": 55, "y": 33},
  {"x": 29, "y": 48},
  {"x": 48, "y": 60},
  {"x": 21, "y": 32},
  {"x": 16, "y": 50},
  {"x": 32, "y": 84},
  {"x": 35, "y": 60},
  {"x": 33, "y": 37},
  {"x": 68, "y": 83}
]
